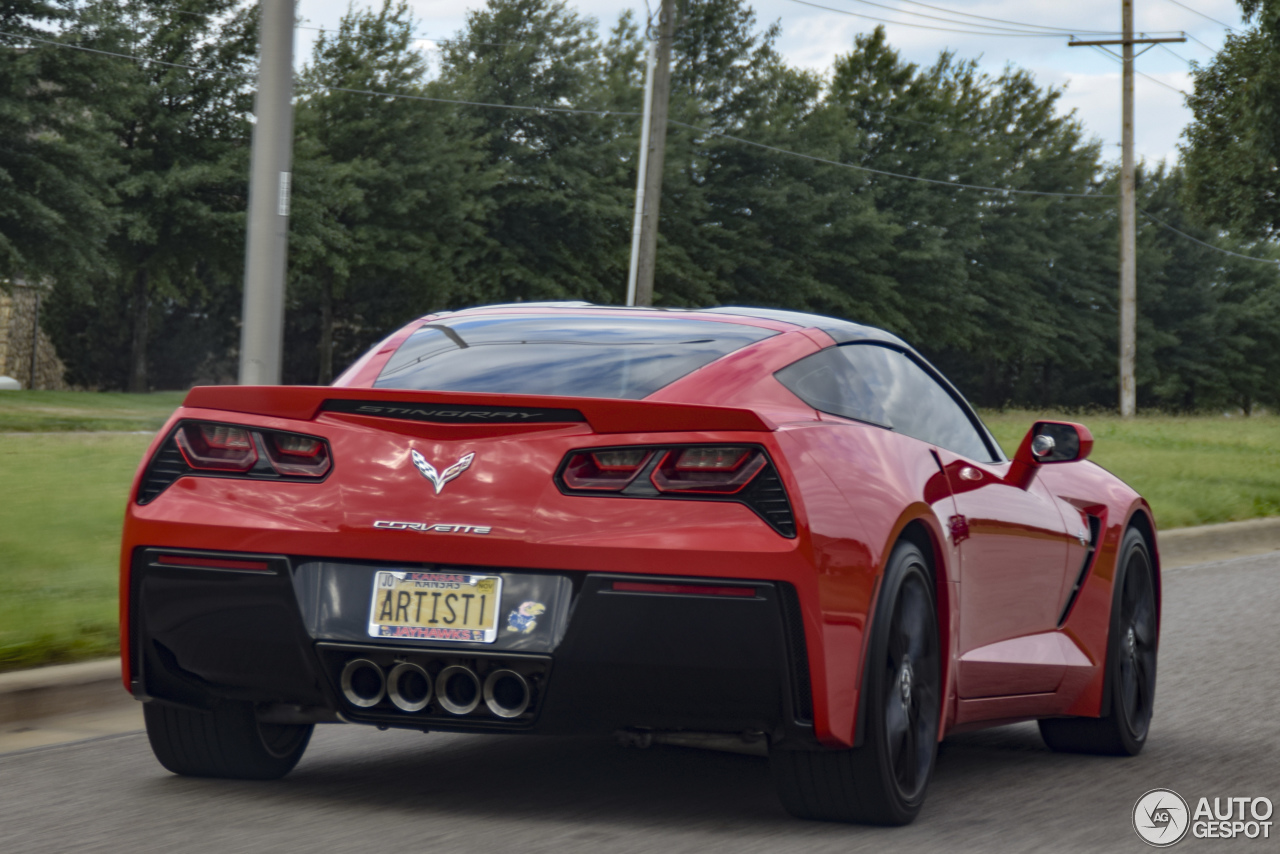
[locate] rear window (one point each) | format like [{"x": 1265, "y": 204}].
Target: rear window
[{"x": 573, "y": 355}]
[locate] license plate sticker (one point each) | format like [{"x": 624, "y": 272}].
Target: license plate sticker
[{"x": 435, "y": 606}]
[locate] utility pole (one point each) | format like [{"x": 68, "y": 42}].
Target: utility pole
[
  {"x": 1128, "y": 227},
  {"x": 267, "y": 240},
  {"x": 642, "y": 175},
  {"x": 654, "y": 138}
]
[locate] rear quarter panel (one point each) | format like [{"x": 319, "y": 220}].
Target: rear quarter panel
[{"x": 861, "y": 486}]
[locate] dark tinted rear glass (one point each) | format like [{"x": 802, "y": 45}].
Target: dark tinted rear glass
[{"x": 560, "y": 354}]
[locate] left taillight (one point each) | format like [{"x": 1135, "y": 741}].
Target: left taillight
[
  {"x": 232, "y": 449},
  {"x": 605, "y": 471}
]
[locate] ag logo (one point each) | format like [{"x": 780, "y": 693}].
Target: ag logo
[{"x": 1161, "y": 817}]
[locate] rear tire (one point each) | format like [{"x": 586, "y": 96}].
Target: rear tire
[
  {"x": 1131, "y": 665},
  {"x": 227, "y": 742},
  {"x": 884, "y": 780}
]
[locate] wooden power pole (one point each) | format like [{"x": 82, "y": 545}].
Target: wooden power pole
[
  {"x": 645, "y": 248},
  {"x": 267, "y": 238},
  {"x": 1128, "y": 228}
]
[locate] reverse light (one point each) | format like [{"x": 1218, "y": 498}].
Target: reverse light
[
  {"x": 605, "y": 471},
  {"x": 722, "y": 469},
  {"x": 216, "y": 447}
]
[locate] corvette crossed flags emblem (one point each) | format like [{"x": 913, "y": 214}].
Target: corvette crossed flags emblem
[{"x": 439, "y": 479}]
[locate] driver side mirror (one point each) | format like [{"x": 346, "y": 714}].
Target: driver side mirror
[{"x": 1049, "y": 442}]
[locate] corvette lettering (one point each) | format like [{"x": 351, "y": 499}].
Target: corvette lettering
[{"x": 433, "y": 527}]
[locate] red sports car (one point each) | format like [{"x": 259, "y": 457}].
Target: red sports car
[{"x": 558, "y": 518}]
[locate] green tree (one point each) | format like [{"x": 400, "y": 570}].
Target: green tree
[
  {"x": 390, "y": 193},
  {"x": 1232, "y": 149},
  {"x": 1005, "y": 290},
  {"x": 560, "y": 221},
  {"x": 53, "y": 154},
  {"x": 163, "y": 305}
]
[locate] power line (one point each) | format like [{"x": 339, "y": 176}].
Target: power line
[
  {"x": 936, "y": 181},
  {"x": 701, "y": 130},
  {"x": 573, "y": 110},
  {"x": 1202, "y": 15},
  {"x": 243, "y": 75},
  {"x": 1158, "y": 82},
  {"x": 430, "y": 99},
  {"x": 1202, "y": 44},
  {"x": 416, "y": 35},
  {"x": 926, "y": 26},
  {"x": 1209, "y": 245},
  {"x": 1173, "y": 53},
  {"x": 333, "y": 88},
  {"x": 1067, "y": 30},
  {"x": 424, "y": 38},
  {"x": 1020, "y": 28},
  {"x": 989, "y": 32}
]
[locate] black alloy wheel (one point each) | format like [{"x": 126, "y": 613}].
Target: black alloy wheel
[
  {"x": 1131, "y": 665},
  {"x": 911, "y": 701},
  {"x": 884, "y": 780}
]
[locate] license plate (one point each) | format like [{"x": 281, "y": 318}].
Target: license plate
[{"x": 437, "y": 606}]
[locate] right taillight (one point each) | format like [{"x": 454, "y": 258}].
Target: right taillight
[
  {"x": 742, "y": 474},
  {"x": 295, "y": 455},
  {"x": 720, "y": 469}
]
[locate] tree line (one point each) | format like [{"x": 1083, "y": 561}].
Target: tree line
[{"x": 502, "y": 167}]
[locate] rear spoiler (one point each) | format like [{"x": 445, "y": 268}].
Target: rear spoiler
[{"x": 306, "y": 403}]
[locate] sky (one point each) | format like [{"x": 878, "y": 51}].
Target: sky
[{"x": 812, "y": 38}]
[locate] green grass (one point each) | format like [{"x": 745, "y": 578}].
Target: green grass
[
  {"x": 60, "y": 518},
  {"x": 1194, "y": 470},
  {"x": 64, "y": 496},
  {"x": 45, "y": 411}
]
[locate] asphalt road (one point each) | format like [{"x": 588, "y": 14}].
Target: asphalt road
[{"x": 1216, "y": 733}]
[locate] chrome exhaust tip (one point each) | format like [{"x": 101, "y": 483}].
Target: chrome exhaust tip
[
  {"x": 363, "y": 683},
  {"x": 458, "y": 690},
  {"x": 409, "y": 687},
  {"x": 506, "y": 693}
]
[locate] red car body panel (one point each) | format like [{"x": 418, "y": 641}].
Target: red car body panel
[{"x": 1007, "y": 558}]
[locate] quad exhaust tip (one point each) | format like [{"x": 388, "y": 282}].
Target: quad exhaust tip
[
  {"x": 458, "y": 690},
  {"x": 363, "y": 683},
  {"x": 409, "y": 687},
  {"x": 506, "y": 693}
]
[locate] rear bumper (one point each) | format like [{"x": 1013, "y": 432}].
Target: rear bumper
[{"x": 280, "y": 636}]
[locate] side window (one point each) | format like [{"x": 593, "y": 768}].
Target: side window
[
  {"x": 868, "y": 382},
  {"x": 914, "y": 401},
  {"x": 826, "y": 382}
]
